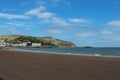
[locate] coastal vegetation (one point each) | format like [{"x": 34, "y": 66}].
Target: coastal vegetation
[{"x": 12, "y": 40}]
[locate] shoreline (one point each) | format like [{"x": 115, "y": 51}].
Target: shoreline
[
  {"x": 60, "y": 53},
  {"x": 20, "y": 65}
]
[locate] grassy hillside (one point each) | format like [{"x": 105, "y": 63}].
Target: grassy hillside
[{"x": 45, "y": 41}]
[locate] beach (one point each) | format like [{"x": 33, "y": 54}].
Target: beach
[{"x": 21, "y": 65}]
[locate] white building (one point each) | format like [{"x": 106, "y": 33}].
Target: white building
[
  {"x": 36, "y": 44},
  {"x": 19, "y": 45},
  {"x": 2, "y": 43}
]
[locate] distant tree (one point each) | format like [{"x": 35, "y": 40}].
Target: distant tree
[{"x": 29, "y": 44}]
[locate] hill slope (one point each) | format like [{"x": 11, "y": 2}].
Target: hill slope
[{"x": 45, "y": 41}]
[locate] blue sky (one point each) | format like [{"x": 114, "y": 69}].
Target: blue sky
[{"x": 84, "y": 22}]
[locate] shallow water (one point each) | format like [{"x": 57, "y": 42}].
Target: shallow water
[{"x": 84, "y": 51}]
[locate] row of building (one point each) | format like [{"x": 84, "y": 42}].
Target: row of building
[{"x": 4, "y": 44}]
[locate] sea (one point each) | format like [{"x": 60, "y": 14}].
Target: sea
[{"x": 94, "y": 51}]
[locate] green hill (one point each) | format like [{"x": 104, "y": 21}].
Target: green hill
[{"x": 45, "y": 41}]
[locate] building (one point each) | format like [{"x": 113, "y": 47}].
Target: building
[
  {"x": 19, "y": 45},
  {"x": 2, "y": 43},
  {"x": 36, "y": 44}
]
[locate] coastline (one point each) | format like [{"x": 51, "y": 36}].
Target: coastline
[
  {"x": 61, "y": 53},
  {"x": 20, "y": 65}
]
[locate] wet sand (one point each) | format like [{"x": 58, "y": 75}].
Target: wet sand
[{"x": 18, "y": 65}]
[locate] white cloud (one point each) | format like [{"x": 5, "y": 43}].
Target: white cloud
[
  {"x": 55, "y": 2},
  {"x": 41, "y": 2},
  {"x": 28, "y": 29},
  {"x": 45, "y": 15},
  {"x": 13, "y": 16},
  {"x": 19, "y": 24},
  {"x": 106, "y": 32},
  {"x": 15, "y": 23},
  {"x": 78, "y": 20},
  {"x": 56, "y": 21},
  {"x": 35, "y": 11},
  {"x": 13, "y": 30},
  {"x": 54, "y": 31},
  {"x": 5, "y": 10},
  {"x": 45, "y": 21},
  {"x": 114, "y": 37},
  {"x": 59, "y": 22},
  {"x": 48, "y": 17},
  {"x": 85, "y": 35},
  {"x": 53, "y": 19},
  {"x": 39, "y": 12},
  {"x": 114, "y": 23},
  {"x": 110, "y": 35}
]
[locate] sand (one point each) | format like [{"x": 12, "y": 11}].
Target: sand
[{"x": 18, "y": 65}]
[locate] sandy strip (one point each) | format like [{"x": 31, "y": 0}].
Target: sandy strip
[{"x": 18, "y": 65}]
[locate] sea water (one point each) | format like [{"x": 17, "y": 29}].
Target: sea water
[{"x": 96, "y": 51}]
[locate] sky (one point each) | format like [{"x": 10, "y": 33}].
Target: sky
[{"x": 84, "y": 22}]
